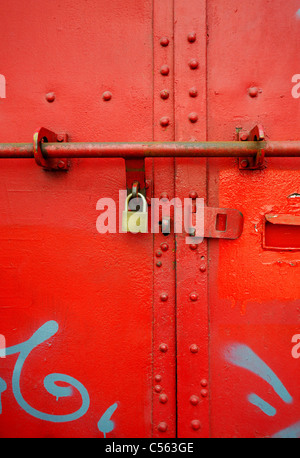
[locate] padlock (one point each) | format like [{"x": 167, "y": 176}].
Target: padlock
[{"x": 135, "y": 221}]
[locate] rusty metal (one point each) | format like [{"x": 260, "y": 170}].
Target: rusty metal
[{"x": 130, "y": 150}]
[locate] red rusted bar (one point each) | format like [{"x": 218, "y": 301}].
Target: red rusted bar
[{"x": 152, "y": 149}]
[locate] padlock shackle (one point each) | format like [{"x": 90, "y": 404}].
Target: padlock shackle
[{"x": 128, "y": 198}]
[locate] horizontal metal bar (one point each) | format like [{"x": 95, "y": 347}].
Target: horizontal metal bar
[{"x": 132, "y": 150}]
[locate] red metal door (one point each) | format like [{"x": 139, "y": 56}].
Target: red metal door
[{"x": 143, "y": 335}]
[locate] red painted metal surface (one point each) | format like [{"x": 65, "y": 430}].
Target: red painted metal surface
[{"x": 144, "y": 335}]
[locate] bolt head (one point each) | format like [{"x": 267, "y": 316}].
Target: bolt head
[
  {"x": 50, "y": 97},
  {"x": 193, "y": 64},
  {"x": 163, "y": 398},
  {"x": 107, "y": 96},
  {"x": 194, "y": 348},
  {"x": 164, "y": 94},
  {"x": 193, "y": 92},
  {"x": 195, "y": 424},
  {"x": 165, "y": 121},
  {"x": 193, "y": 117},
  {"x": 194, "y": 297},
  {"x": 164, "y": 41},
  {"x": 192, "y": 37},
  {"x": 61, "y": 164},
  {"x": 164, "y": 246},
  {"x": 158, "y": 388},
  {"x": 164, "y": 297},
  {"x": 162, "y": 427},
  {"x": 253, "y": 91},
  {"x": 193, "y": 195},
  {"x": 163, "y": 348},
  {"x": 194, "y": 400},
  {"x": 244, "y": 163},
  {"x": 164, "y": 70}
]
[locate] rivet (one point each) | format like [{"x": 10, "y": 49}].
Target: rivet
[
  {"x": 202, "y": 268},
  {"x": 164, "y": 94},
  {"x": 204, "y": 393},
  {"x": 193, "y": 117},
  {"x": 158, "y": 254},
  {"x": 162, "y": 427},
  {"x": 163, "y": 348},
  {"x": 50, "y": 97},
  {"x": 60, "y": 137},
  {"x": 163, "y": 398},
  {"x": 253, "y": 91},
  {"x": 194, "y": 348},
  {"x": 195, "y": 424},
  {"x": 164, "y": 70},
  {"x": 204, "y": 382},
  {"x": 194, "y": 297},
  {"x": 194, "y": 400},
  {"x": 193, "y": 92},
  {"x": 163, "y": 297},
  {"x": 164, "y": 41},
  {"x": 193, "y": 195},
  {"x": 244, "y": 163},
  {"x": 165, "y": 121},
  {"x": 191, "y": 37},
  {"x": 61, "y": 164},
  {"x": 164, "y": 246},
  {"x": 158, "y": 388},
  {"x": 157, "y": 378},
  {"x": 164, "y": 196},
  {"x": 193, "y": 246},
  {"x": 159, "y": 264},
  {"x": 244, "y": 137},
  {"x": 193, "y": 64},
  {"x": 106, "y": 96}
]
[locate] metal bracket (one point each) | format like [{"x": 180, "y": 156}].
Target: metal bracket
[
  {"x": 136, "y": 179},
  {"x": 257, "y": 162},
  {"x": 221, "y": 223},
  {"x": 43, "y": 135}
]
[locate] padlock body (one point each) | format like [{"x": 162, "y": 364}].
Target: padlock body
[{"x": 135, "y": 221}]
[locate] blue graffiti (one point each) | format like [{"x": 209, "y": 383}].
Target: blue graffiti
[
  {"x": 44, "y": 333},
  {"x": 3, "y": 387},
  {"x": 264, "y": 406},
  {"x": 105, "y": 424},
  {"x": 242, "y": 356},
  {"x": 292, "y": 432}
]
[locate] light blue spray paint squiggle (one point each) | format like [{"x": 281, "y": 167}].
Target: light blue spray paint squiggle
[
  {"x": 264, "y": 406},
  {"x": 242, "y": 356},
  {"x": 46, "y": 331},
  {"x": 3, "y": 387},
  {"x": 105, "y": 424},
  {"x": 292, "y": 432}
]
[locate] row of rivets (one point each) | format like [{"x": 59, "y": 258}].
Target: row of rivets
[{"x": 193, "y": 64}]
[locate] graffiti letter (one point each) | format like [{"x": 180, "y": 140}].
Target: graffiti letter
[
  {"x": 296, "y": 348},
  {"x": 2, "y": 87},
  {"x": 2, "y": 346},
  {"x": 295, "y": 90}
]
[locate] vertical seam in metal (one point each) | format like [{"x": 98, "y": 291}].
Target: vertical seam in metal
[
  {"x": 174, "y": 235},
  {"x": 153, "y": 247}
]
